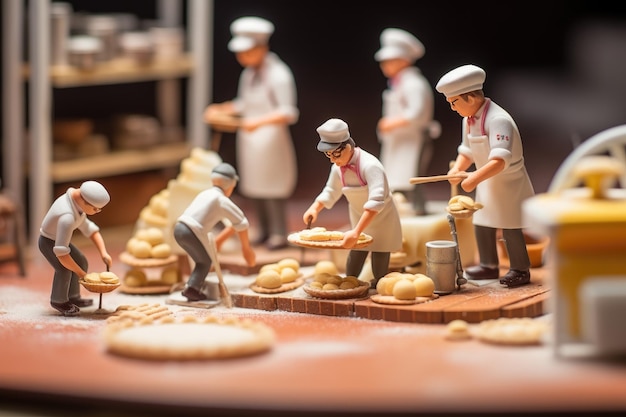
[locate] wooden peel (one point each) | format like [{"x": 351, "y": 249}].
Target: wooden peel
[
  {"x": 224, "y": 294},
  {"x": 435, "y": 178}
]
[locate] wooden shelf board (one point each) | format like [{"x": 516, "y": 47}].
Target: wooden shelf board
[
  {"x": 118, "y": 71},
  {"x": 120, "y": 162}
]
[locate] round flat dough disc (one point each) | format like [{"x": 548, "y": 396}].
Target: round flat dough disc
[{"x": 189, "y": 340}]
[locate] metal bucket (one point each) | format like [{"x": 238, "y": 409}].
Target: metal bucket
[{"x": 441, "y": 265}]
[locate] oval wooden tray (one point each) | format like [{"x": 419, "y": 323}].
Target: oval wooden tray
[
  {"x": 390, "y": 299},
  {"x": 294, "y": 239}
]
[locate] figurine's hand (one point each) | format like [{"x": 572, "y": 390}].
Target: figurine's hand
[
  {"x": 108, "y": 261},
  {"x": 250, "y": 125},
  {"x": 309, "y": 217},
  {"x": 350, "y": 238},
  {"x": 470, "y": 183}
]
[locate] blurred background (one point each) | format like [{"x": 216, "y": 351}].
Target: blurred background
[{"x": 558, "y": 67}]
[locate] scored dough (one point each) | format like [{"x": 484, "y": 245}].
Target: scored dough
[{"x": 188, "y": 338}]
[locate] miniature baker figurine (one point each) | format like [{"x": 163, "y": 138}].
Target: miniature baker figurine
[
  {"x": 491, "y": 141},
  {"x": 266, "y": 101},
  {"x": 68, "y": 213},
  {"x": 405, "y": 130},
  {"x": 360, "y": 177},
  {"x": 209, "y": 208}
]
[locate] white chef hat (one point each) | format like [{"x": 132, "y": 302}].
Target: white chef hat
[
  {"x": 249, "y": 32},
  {"x": 332, "y": 133},
  {"x": 95, "y": 194},
  {"x": 461, "y": 80},
  {"x": 398, "y": 43}
]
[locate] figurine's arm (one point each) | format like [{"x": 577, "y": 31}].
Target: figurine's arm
[
  {"x": 491, "y": 168},
  {"x": 312, "y": 212},
  {"x": 68, "y": 262},
  {"x": 246, "y": 248},
  {"x": 223, "y": 236},
  {"x": 225, "y": 108},
  {"x": 97, "y": 239},
  {"x": 351, "y": 237}
]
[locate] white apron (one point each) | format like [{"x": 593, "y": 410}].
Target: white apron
[
  {"x": 502, "y": 195},
  {"x": 266, "y": 158},
  {"x": 385, "y": 228},
  {"x": 401, "y": 148}
]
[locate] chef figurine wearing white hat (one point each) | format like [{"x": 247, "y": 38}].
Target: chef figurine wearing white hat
[
  {"x": 360, "y": 177},
  {"x": 406, "y": 128},
  {"x": 491, "y": 141},
  {"x": 68, "y": 213},
  {"x": 267, "y": 103}
]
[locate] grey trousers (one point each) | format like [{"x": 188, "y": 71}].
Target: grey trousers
[
  {"x": 356, "y": 260},
  {"x": 190, "y": 243},
  {"x": 65, "y": 285},
  {"x": 272, "y": 218},
  {"x": 515, "y": 247}
]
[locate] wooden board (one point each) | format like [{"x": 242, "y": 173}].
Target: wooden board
[{"x": 470, "y": 303}]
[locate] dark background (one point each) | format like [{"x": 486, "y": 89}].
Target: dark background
[{"x": 330, "y": 46}]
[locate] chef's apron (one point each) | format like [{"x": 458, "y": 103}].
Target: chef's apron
[
  {"x": 384, "y": 228},
  {"x": 401, "y": 147},
  {"x": 502, "y": 194},
  {"x": 266, "y": 158}
]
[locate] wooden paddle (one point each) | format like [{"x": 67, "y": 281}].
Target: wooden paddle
[
  {"x": 435, "y": 178},
  {"x": 224, "y": 294}
]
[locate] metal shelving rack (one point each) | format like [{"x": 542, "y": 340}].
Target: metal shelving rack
[{"x": 42, "y": 172}]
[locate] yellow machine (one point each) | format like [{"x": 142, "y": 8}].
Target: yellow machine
[{"x": 587, "y": 230}]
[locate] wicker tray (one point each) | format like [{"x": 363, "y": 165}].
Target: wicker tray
[
  {"x": 357, "y": 292},
  {"x": 98, "y": 287},
  {"x": 294, "y": 239}
]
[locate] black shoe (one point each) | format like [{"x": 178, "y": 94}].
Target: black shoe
[
  {"x": 193, "y": 294},
  {"x": 258, "y": 241},
  {"x": 67, "y": 308},
  {"x": 515, "y": 278},
  {"x": 479, "y": 272},
  {"x": 81, "y": 302}
]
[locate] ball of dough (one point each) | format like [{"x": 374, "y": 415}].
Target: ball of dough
[
  {"x": 289, "y": 262},
  {"x": 92, "y": 277},
  {"x": 288, "y": 274},
  {"x": 330, "y": 287},
  {"x": 162, "y": 250},
  {"x": 424, "y": 285},
  {"x": 130, "y": 244},
  {"x": 458, "y": 330},
  {"x": 154, "y": 236},
  {"x": 404, "y": 290},
  {"x": 269, "y": 279},
  {"x": 142, "y": 249},
  {"x": 326, "y": 266},
  {"x": 170, "y": 275},
  {"x": 135, "y": 278},
  {"x": 270, "y": 267},
  {"x": 109, "y": 277},
  {"x": 347, "y": 285}
]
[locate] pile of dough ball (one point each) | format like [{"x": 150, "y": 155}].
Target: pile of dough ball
[
  {"x": 405, "y": 286},
  {"x": 105, "y": 277},
  {"x": 276, "y": 274},
  {"x": 330, "y": 282},
  {"x": 156, "y": 212},
  {"x": 136, "y": 277},
  {"x": 462, "y": 202},
  {"x": 148, "y": 243}
]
